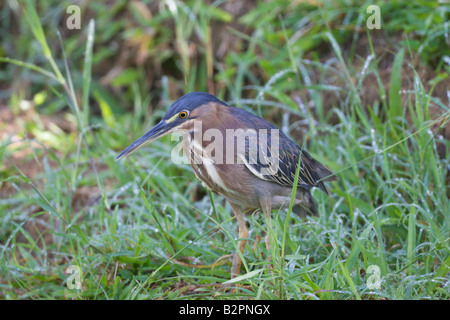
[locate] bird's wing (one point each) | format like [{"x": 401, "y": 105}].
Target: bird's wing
[
  {"x": 275, "y": 159},
  {"x": 272, "y": 156}
]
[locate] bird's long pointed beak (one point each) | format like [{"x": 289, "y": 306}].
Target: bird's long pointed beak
[{"x": 158, "y": 131}]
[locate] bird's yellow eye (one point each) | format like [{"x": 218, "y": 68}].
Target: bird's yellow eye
[{"x": 183, "y": 114}]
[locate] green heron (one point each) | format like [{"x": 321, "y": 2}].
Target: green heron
[{"x": 242, "y": 157}]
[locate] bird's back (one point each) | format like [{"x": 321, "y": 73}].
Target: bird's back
[{"x": 311, "y": 171}]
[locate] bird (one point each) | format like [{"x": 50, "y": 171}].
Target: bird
[{"x": 242, "y": 157}]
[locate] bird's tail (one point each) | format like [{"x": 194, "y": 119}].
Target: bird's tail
[{"x": 307, "y": 206}]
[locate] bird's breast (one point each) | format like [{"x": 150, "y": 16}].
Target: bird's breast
[{"x": 205, "y": 167}]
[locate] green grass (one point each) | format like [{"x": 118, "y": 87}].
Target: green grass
[{"x": 128, "y": 224}]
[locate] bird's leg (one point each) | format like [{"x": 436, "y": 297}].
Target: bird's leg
[
  {"x": 243, "y": 233},
  {"x": 266, "y": 207}
]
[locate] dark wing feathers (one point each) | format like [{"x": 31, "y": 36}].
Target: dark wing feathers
[{"x": 311, "y": 171}]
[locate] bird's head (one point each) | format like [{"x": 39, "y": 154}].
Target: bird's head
[{"x": 180, "y": 115}]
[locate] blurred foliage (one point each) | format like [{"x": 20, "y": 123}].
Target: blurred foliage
[{"x": 166, "y": 48}]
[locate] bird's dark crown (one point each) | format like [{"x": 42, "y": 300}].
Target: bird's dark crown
[{"x": 190, "y": 101}]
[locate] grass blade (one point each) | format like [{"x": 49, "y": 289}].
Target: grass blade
[
  {"x": 87, "y": 70},
  {"x": 395, "y": 98}
]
